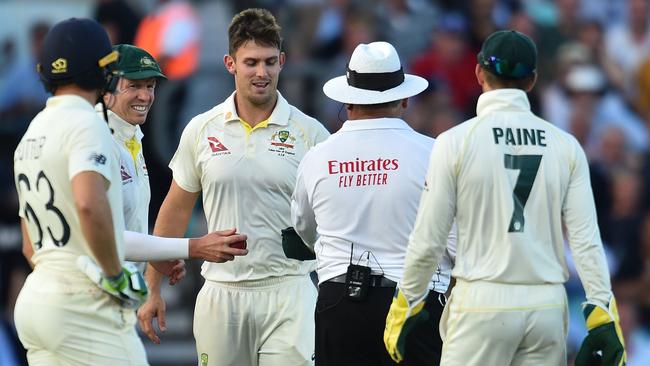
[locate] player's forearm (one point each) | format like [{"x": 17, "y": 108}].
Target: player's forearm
[
  {"x": 591, "y": 264},
  {"x": 581, "y": 223},
  {"x": 173, "y": 218},
  {"x": 140, "y": 247},
  {"x": 97, "y": 227},
  {"x": 427, "y": 243},
  {"x": 153, "y": 279},
  {"x": 96, "y": 220},
  {"x": 421, "y": 261}
]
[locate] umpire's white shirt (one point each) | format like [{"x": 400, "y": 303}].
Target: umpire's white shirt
[
  {"x": 63, "y": 140},
  {"x": 362, "y": 186},
  {"x": 511, "y": 180},
  {"x": 246, "y": 176}
]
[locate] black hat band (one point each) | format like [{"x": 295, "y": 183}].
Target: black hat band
[{"x": 378, "y": 81}]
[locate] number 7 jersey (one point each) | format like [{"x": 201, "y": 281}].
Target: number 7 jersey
[
  {"x": 511, "y": 180},
  {"x": 64, "y": 139}
]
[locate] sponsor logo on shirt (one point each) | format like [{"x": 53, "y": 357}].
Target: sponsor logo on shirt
[
  {"x": 98, "y": 159},
  {"x": 359, "y": 172},
  {"x": 217, "y": 147},
  {"x": 144, "y": 169},
  {"x": 283, "y": 143},
  {"x": 126, "y": 178}
]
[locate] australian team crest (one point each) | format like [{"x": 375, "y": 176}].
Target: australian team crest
[
  {"x": 283, "y": 142},
  {"x": 283, "y": 135}
]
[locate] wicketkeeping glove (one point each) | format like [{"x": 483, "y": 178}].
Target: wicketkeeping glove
[
  {"x": 401, "y": 319},
  {"x": 605, "y": 335},
  {"x": 128, "y": 287}
]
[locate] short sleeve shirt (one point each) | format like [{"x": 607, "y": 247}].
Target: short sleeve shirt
[
  {"x": 360, "y": 190},
  {"x": 247, "y": 178},
  {"x": 63, "y": 140}
]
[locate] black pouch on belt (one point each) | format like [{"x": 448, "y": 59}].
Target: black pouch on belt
[{"x": 357, "y": 281}]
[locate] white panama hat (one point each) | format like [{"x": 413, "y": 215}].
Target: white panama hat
[{"x": 374, "y": 76}]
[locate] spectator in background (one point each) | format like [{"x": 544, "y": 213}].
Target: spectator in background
[
  {"x": 22, "y": 94},
  {"x": 552, "y": 36},
  {"x": 171, "y": 34},
  {"x": 357, "y": 29},
  {"x": 624, "y": 220},
  {"x": 591, "y": 35},
  {"x": 628, "y": 43},
  {"x": 119, "y": 19},
  {"x": 448, "y": 63},
  {"x": 481, "y": 19},
  {"x": 585, "y": 87},
  {"x": 632, "y": 280},
  {"x": 401, "y": 20}
]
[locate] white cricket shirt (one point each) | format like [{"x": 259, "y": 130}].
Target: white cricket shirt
[
  {"x": 511, "y": 180},
  {"x": 247, "y": 177},
  {"x": 63, "y": 140},
  {"x": 136, "y": 192},
  {"x": 362, "y": 186}
]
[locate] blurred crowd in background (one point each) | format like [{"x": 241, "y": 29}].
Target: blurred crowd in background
[{"x": 593, "y": 81}]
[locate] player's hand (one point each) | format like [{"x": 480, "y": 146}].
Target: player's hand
[
  {"x": 174, "y": 269},
  {"x": 128, "y": 287},
  {"x": 402, "y": 317},
  {"x": 604, "y": 336},
  {"x": 219, "y": 246},
  {"x": 154, "y": 308}
]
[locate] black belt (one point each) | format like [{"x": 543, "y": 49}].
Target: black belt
[{"x": 375, "y": 280}]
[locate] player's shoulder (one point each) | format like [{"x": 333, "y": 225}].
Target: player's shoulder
[
  {"x": 564, "y": 138},
  {"x": 216, "y": 114},
  {"x": 460, "y": 132},
  {"x": 305, "y": 122}
]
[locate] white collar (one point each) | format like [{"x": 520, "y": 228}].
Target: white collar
[
  {"x": 375, "y": 124},
  {"x": 502, "y": 99},
  {"x": 122, "y": 129},
  {"x": 279, "y": 116}
]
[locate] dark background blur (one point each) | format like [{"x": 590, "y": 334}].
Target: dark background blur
[{"x": 594, "y": 81}]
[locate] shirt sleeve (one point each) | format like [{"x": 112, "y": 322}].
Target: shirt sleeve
[
  {"x": 184, "y": 163},
  {"x": 302, "y": 213},
  {"x": 431, "y": 232},
  {"x": 321, "y": 134},
  {"x": 579, "y": 214},
  {"x": 91, "y": 148}
]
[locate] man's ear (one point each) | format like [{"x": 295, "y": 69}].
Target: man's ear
[
  {"x": 229, "y": 62},
  {"x": 283, "y": 59},
  {"x": 478, "y": 71},
  {"x": 532, "y": 82}
]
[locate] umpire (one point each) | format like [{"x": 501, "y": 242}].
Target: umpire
[{"x": 355, "y": 204}]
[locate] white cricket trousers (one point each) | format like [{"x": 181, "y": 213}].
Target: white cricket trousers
[
  {"x": 266, "y": 322},
  {"x": 65, "y": 319},
  {"x": 496, "y": 324}
]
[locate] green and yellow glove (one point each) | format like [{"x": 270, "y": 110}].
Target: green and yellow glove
[
  {"x": 604, "y": 336},
  {"x": 128, "y": 287},
  {"x": 401, "y": 319}
]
